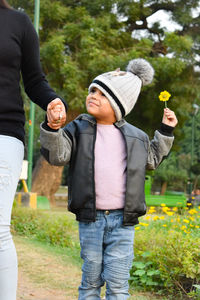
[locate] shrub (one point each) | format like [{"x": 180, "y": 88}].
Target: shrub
[
  {"x": 170, "y": 244},
  {"x": 45, "y": 226}
]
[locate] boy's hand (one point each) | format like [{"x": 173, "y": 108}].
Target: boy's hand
[
  {"x": 56, "y": 114},
  {"x": 169, "y": 118}
]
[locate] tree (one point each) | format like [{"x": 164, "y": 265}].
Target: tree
[
  {"x": 80, "y": 39},
  {"x": 172, "y": 172}
]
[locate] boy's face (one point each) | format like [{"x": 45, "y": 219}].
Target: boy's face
[{"x": 99, "y": 107}]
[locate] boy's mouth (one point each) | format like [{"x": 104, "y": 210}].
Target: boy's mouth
[{"x": 92, "y": 102}]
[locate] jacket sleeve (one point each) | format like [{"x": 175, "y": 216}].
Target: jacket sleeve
[
  {"x": 159, "y": 147},
  {"x": 56, "y": 146}
]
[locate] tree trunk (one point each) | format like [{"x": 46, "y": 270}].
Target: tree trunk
[
  {"x": 163, "y": 188},
  {"x": 47, "y": 178}
]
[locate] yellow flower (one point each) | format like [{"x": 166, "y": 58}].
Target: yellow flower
[
  {"x": 175, "y": 209},
  {"x": 147, "y": 217},
  {"x": 186, "y": 221},
  {"x": 162, "y": 218},
  {"x": 164, "y": 225},
  {"x": 165, "y": 208},
  {"x": 183, "y": 227},
  {"x": 189, "y": 204},
  {"x": 169, "y": 213},
  {"x": 155, "y": 218},
  {"x": 196, "y": 226},
  {"x": 164, "y": 96},
  {"x": 137, "y": 228},
  {"x": 192, "y": 211},
  {"x": 144, "y": 224},
  {"x": 163, "y": 204}
]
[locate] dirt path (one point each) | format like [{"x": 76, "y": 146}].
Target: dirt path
[{"x": 45, "y": 274}]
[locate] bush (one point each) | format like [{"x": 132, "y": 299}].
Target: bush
[
  {"x": 167, "y": 252},
  {"x": 45, "y": 226}
]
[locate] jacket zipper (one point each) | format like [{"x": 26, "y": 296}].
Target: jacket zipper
[{"x": 93, "y": 158}]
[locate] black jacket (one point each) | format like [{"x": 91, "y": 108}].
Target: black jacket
[{"x": 75, "y": 144}]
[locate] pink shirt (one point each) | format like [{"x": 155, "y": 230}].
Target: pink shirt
[{"x": 110, "y": 168}]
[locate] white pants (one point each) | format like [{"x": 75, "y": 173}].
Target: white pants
[{"x": 11, "y": 157}]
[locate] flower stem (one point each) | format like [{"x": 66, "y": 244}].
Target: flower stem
[{"x": 165, "y": 104}]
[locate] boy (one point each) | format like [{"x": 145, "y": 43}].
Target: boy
[{"x": 108, "y": 158}]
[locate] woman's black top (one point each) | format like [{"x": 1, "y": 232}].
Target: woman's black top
[{"x": 19, "y": 54}]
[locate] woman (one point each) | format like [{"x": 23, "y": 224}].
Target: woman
[{"x": 19, "y": 54}]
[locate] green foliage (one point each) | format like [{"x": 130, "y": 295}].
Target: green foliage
[
  {"x": 170, "y": 242},
  {"x": 180, "y": 45},
  {"x": 176, "y": 260},
  {"x": 145, "y": 274},
  {"x": 172, "y": 170},
  {"x": 45, "y": 227}
]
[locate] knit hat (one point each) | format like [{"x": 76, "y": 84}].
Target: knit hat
[{"x": 123, "y": 88}]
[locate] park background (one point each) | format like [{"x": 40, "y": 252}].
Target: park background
[{"x": 80, "y": 39}]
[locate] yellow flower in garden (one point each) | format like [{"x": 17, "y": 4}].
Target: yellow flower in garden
[
  {"x": 189, "y": 204},
  {"x": 164, "y": 96},
  {"x": 186, "y": 221},
  {"x": 151, "y": 211},
  {"x": 164, "y": 225},
  {"x": 163, "y": 204},
  {"x": 175, "y": 209},
  {"x": 165, "y": 208},
  {"x": 192, "y": 211},
  {"x": 191, "y": 225},
  {"x": 147, "y": 217},
  {"x": 198, "y": 207},
  {"x": 183, "y": 227},
  {"x": 196, "y": 226},
  {"x": 155, "y": 218},
  {"x": 144, "y": 224},
  {"x": 162, "y": 218},
  {"x": 137, "y": 228},
  {"x": 170, "y": 213},
  {"x": 191, "y": 218}
]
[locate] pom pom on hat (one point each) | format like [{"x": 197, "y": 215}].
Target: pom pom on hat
[
  {"x": 141, "y": 68},
  {"x": 123, "y": 88}
]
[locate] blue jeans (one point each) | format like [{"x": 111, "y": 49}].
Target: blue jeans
[{"x": 107, "y": 252}]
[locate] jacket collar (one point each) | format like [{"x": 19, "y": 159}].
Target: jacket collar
[{"x": 92, "y": 120}]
